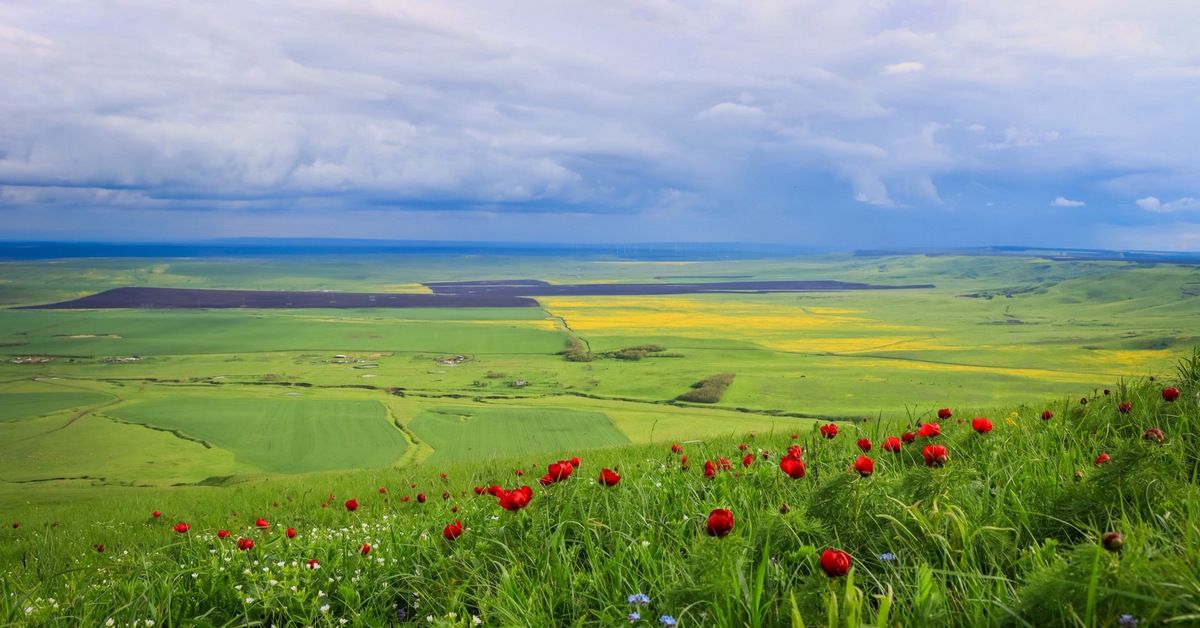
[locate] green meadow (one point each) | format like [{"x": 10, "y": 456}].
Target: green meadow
[{"x": 464, "y": 433}]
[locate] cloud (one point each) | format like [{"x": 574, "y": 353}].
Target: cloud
[
  {"x": 1018, "y": 138},
  {"x": 1062, "y": 202},
  {"x": 1152, "y": 204},
  {"x": 906, "y": 67}
]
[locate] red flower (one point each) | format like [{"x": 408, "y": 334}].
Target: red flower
[
  {"x": 836, "y": 563},
  {"x": 516, "y": 500},
  {"x": 366, "y": 549},
  {"x": 1106, "y": 392},
  {"x": 494, "y": 490},
  {"x": 751, "y": 434},
  {"x": 1170, "y": 394},
  {"x": 935, "y": 455},
  {"x": 414, "y": 485},
  {"x": 404, "y": 498},
  {"x": 795, "y": 436},
  {"x": 608, "y": 478},
  {"x": 796, "y": 452},
  {"x": 325, "y": 505},
  {"x": 766, "y": 454},
  {"x": 1047, "y": 415},
  {"x": 222, "y": 534},
  {"x": 793, "y": 467},
  {"x": 560, "y": 470},
  {"x": 351, "y": 505},
  {"x": 156, "y": 514},
  {"x": 446, "y": 495},
  {"x": 725, "y": 464},
  {"x": 908, "y": 437},
  {"x": 443, "y": 476},
  {"x": 520, "y": 472},
  {"x": 892, "y": 444},
  {"x": 981, "y": 425},
  {"x": 452, "y": 531},
  {"x": 1112, "y": 541},
  {"x": 742, "y": 447},
  {"x": 382, "y": 490},
  {"x": 683, "y": 465},
  {"x": 720, "y": 523},
  {"x": 1124, "y": 407},
  {"x": 16, "y": 525},
  {"x": 546, "y": 480},
  {"x": 421, "y": 498},
  {"x": 261, "y": 523},
  {"x": 245, "y": 544},
  {"x": 182, "y": 527},
  {"x": 1153, "y": 434},
  {"x": 1083, "y": 401},
  {"x": 864, "y": 465},
  {"x": 575, "y": 462},
  {"x": 275, "y": 504},
  {"x": 945, "y": 413},
  {"x": 676, "y": 449},
  {"x": 748, "y": 460},
  {"x": 1101, "y": 459},
  {"x": 313, "y": 564},
  {"x": 710, "y": 471},
  {"x": 929, "y": 430},
  {"x": 864, "y": 444},
  {"x": 291, "y": 533},
  {"x": 454, "y": 509},
  {"x": 829, "y": 431},
  {"x": 478, "y": 490},
  {"x": 99, "y": 548}
]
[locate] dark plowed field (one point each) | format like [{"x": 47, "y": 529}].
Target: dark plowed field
[
  {"x": 181, "y": 298},
  {"x": 532, "y": 288}
]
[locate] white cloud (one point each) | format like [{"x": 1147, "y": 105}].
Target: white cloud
[
  {"x": 1018, "y": 138},
  {"x": 976, "y": 128},
  {"x": 1152, "y": 204},
  {"x": 1063, "y": 202},
  {"x": 906, "y": 67}
]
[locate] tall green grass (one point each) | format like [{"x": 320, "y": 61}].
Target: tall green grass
[{"x": 1007, "y": 533}]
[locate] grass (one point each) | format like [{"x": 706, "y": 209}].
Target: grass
[
  {"x": 472, "y": 433},
  {"x": 1007, "y": 533},
  {"x": 15, "y": 406},
  {"x": 280, "y": 435}
]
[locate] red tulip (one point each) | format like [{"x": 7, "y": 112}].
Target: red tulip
[
  {"x": 99, "y": 548},
  {"x": 443, "y": 476},
  {"x": 222, "y": 534},
  {"x": 793, "y": 467},
  {"x": 742, "y": 447},
  {"x": 351, "y": 505},
  {"x": 414, "y": 485},
  {"x": 945, "y": 413},
  {"x": 1170, "y": 394},
  {"x": 720, "y": 523},
  {"x": 935, "y": 455},
  {"x": 608, "y": 478},
  {"x": 404, "y": 498},
  {"x": 864, "y": 465},
  {"x": 836, "y": 563},
  {"x": 366, "y": 549},
  {"x": 908, "y": 437},
  {"x": 864, "y": 444},
  {"x": 1112, "y": 541},
  {"x": 324, "y": 505},
  {"x": 724, "y": 464},
  {"x": 545, "y": 480},
  {"x": 766, "y": 454},
  {"x": 520, "y": 472},
  {"x": 929, "y": 430},
  {"x": 313, "y": 564},
  {"x": 16, "y": 525},
  {"x": 494, "y": 490},
  {"x": 452, "y": 531},
  {"x": 421, "y": 497},
  {"x": 1106, "y": 392},
  {"x": 454, "y": 509},
  {"x": 245, "y": 544},
  {"x": 261, "y": 523},
  {"x": 446, "y": 495},
  {"x": 795, "y": 436},
  {"x": 892, "y": 444},
  {"x": 382, "y": 491},
  {"x": 683, "y": 465},
  {"x": 182, "y": 527},
  {"x": 829, "y": 431},
  {"x": 676, "y": 449},
  {"x": 156, "y": 514},
  {"x": 275, "y": 504},
  {"x": 1153, "y": 434},
  {"x": 291, "y": 533},
  {"x": 1047, "y": 415},
  {"x": 1124, "y": 407},
  {"x": 748, "y": 460},
  {"x": 575, "y": 462},
  {"x": 559, "y": 471},
  {"x": 710, "y": 471},
  {"x": 981, "y": 425},
  {"x": 478, "y": 490},
  {"x": 795, "y": 451},
  {"x": 1083, "y": 401},
  {"x": 516, "y": 500},
  {"x": 1101, "y": 459}
]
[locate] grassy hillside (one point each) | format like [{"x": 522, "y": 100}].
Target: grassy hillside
[{"x": 1007, "y": 532}]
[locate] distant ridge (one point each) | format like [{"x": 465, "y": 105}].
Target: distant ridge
[{"x": 1060, "y": 255}]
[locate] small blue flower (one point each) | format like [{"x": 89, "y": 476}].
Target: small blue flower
[
  {"x": 668, "y": 621},
  {"x": 888, "y": 557},
  {"x": 634, "y": 617},
  {"x": 1128, "y": 621},
  {"x": 639, "y": 599}
]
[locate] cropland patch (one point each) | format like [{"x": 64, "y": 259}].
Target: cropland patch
[
  {"x": 532, "y": 288},
  {"x": 15, "y": 406},
  {"x": 281, "y": 435},
  {"x": 464, "y": 433},
  {"x": 185, "y": 298}
]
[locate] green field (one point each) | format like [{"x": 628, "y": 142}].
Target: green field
[
  {"x": 281, "y": 435},
  {"x": 15, "y": 406},
  {"x": 462, "y": 433}
]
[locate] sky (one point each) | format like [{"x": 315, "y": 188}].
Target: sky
[{"x": 839, "y": 124}]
